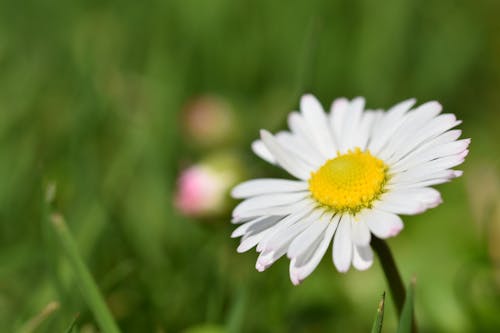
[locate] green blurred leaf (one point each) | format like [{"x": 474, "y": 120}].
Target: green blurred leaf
[
  {"x": 237, "y": 313},
  {"x": 406, "y": 323},
  {"x": 88, "y": 287},
  {"x": 206, "y": 328},
  {"x": 379, "y": 318}
]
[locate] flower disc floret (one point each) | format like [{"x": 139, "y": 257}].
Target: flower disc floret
[{"x": 349, "y": 182}]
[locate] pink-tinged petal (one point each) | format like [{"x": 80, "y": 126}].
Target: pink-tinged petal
[{"x": 302, "y": 266}]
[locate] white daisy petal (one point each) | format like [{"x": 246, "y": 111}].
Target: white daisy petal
[
  {"x": 427, "y": 132},
  {"x": 315, "y": 117},
  {"x": 439, "y": 125},
  {"x": 403, "y": 179},
  {"x": 281, "y": 210},
  {"x": 266, "y": 244},
  {"x": 301, "y": 130},
  {"x": 352, "y": 120},
  {"x": 306, "y": 238},
  {"x": 268, "y": 257},
  {"x": 302, "y": 267},
  {"x": 412, "y": 123},
  {"x": 240, "y": 220},
  {"x": 382, "y": 224},
  {"x": 362, "y": 257},
  {"x": 389, "y": 123},
  {"x": 432, "y": 169},
  {"x": 393, "y": 203},
  {"x": 261, "y": 186},
  {"x": 365, "y": 129},
  {"x": 342, "y": 245},
  {"x": 360, "y": 233},
  {"x": 338, "y": 111},
  {"x": 260, "y": 149},
  {"x": 255, "y": 225},
  {"x": 429, "y": 197},
  {"x": 284, "y": 237},
  {"x": 249, "y": 242},
  {"x": 445, "y": 176},
  {"x": 256, "y": 234},
  {"x": 268, "y": 200},
  {"x": 312, "y": 157},
  {"x": 287, "y": 161},
  {"x": 433, "y": 129},
  {"x": 251, "y": 239},
  {"x": 429, "y": 153}
]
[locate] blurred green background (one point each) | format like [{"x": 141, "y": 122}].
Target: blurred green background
[{"x": 92, "y": 96}]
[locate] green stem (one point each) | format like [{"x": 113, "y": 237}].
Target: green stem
[
  {"x": 87, "y": 284},
  {"x": 391, "y": 272},
  {"x": 392, "y": 276}
]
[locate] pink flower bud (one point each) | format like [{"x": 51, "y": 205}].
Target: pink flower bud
[{"x": 202, "y": 190}]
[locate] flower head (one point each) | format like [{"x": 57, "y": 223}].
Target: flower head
[{"x": 357, "y": 170}]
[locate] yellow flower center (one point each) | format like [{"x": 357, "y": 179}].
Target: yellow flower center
[{"x": 349, "y": 182}]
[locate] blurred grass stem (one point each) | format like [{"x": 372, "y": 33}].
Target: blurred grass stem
[
  {"x": 35, "y": 322},
  {"x": 87, "y": 284}
]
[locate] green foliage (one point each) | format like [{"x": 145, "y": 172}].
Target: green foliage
[
  {"x": 407, "y": 322},
  {"x": 71, "y": 327},
  {"x": 84, "y": 279}
]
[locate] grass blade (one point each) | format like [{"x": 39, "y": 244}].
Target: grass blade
[
  {"x": 87, "y": 284},
  {"x": 37, "y": 320},
  {"x": 73, "y": 324},
  {"x": 379, "y": 318}
]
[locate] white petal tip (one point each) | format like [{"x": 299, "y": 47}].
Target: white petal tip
[
  {"x": 260, "y": 267},
  {"x": 394, "y": 231},
  {"x": 435, "y": 203},
  {"x": 295, "y": 275},
  {"x": 343, "y": 270},
  {"x": 264, "y": 133},
  {"x": 435, "y": 104},
  {"x": 234, "y": 193},
  {"x": 365, "y": 266},
  {"x": 458, "y": 173},
  {"x": 307, "y": 97},
  {"x": 340, "y": 101},
  {"x": 243, "y": 247},
  {"x": 236, "y": 233}
]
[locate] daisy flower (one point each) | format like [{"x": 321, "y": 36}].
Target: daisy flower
[{"x": 357, "y": 170}]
